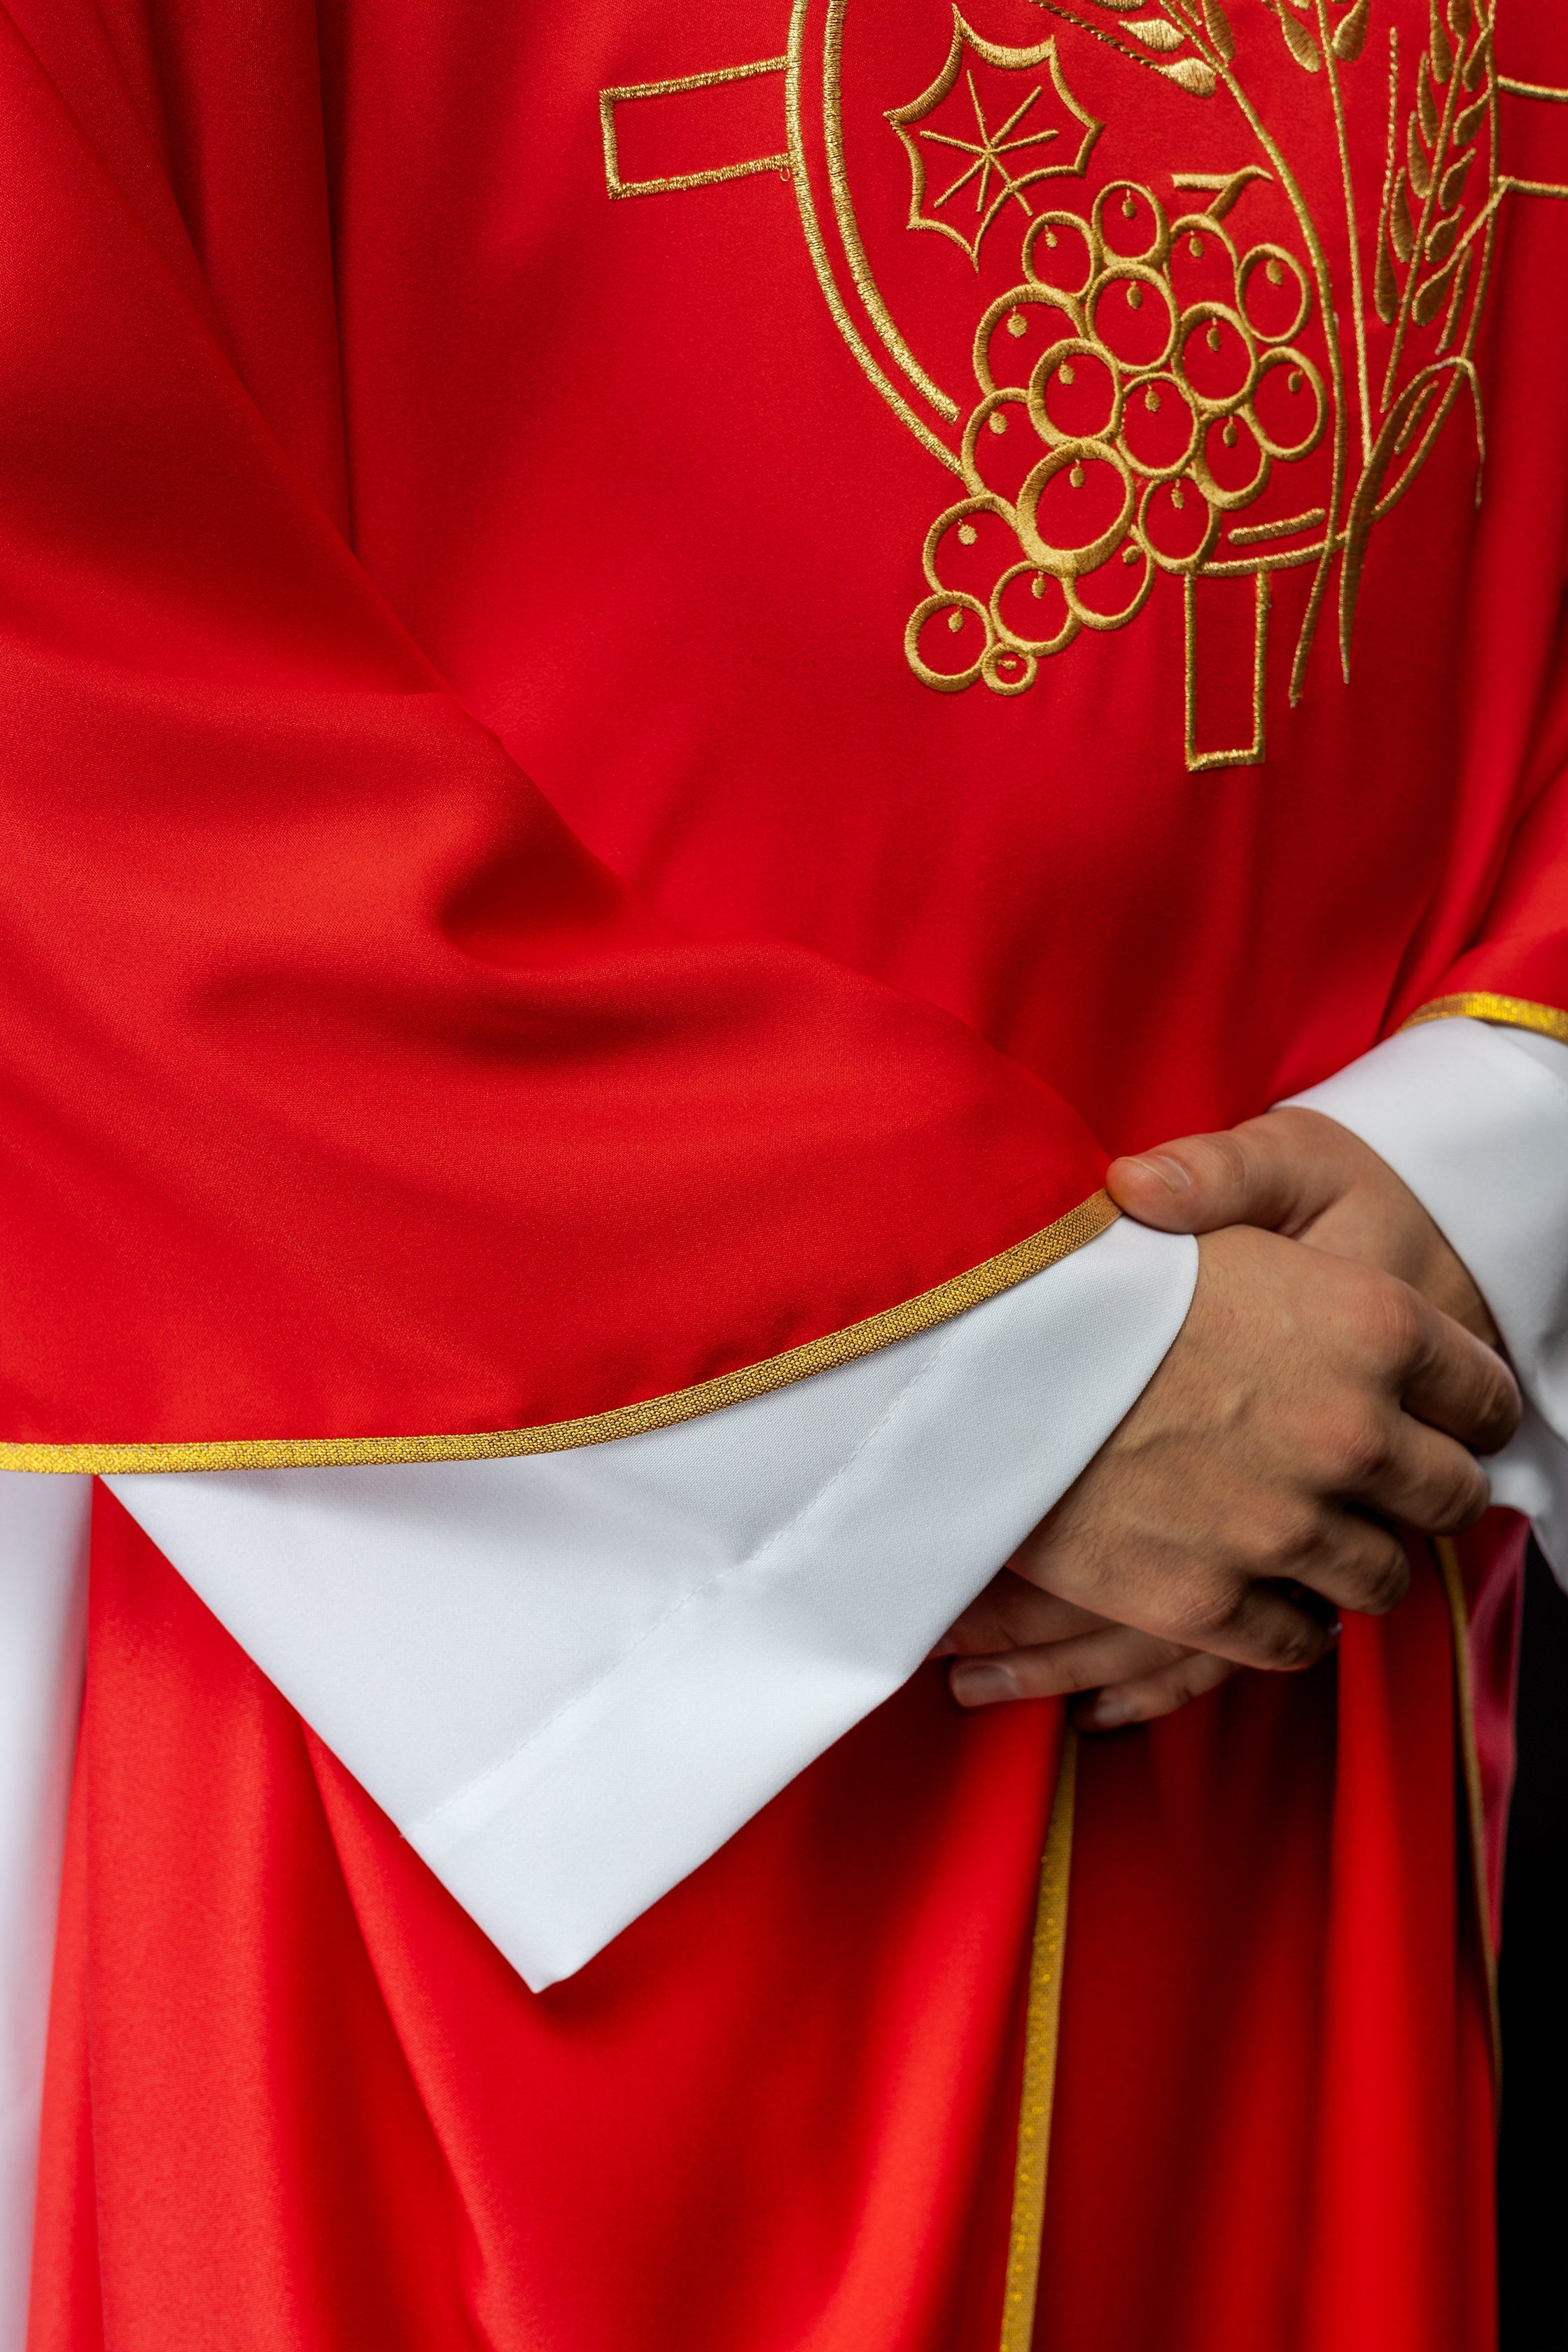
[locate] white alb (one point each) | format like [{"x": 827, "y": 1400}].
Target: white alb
[{"x": 569, "y": 1678}]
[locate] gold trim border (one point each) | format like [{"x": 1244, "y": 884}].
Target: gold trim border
[
  {"x": 1041, "y": 2035},
  {"x": 1042, "y": 2031},
  {"x": 1507, "y": 1012},
  {"x": 955, "y": 1297}
]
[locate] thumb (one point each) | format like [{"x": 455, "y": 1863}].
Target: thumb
[{"x": 1263, "y": 1172}]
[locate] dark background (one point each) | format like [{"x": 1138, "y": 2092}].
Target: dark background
[{"x": 1532, "y": 2163}]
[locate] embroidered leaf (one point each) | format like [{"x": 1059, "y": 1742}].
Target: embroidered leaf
[
  {"x": 1154, "y": 32},
  {"x": 1461, "y": 17},
  {"x": 1426, "y": 102},
  {"x": 1300, "y": 43},
  {"x": 1349, "y": 33},
  {"x": 1440, "y": 243},
  {"x": 1440, "y": 48},
  {"x": 1385, "y": 288},
  {"x": 1420, "y": 169},
  {"x": 1219, "y": 30},
  {"x": 1401, "y": 228},
  {"x": 1469, "y": 122},
  {"x": 1477, "y": 65},
  {"x": 1429, "y": 296},
  {"x": 1192, "y": 74},
  {"x": 1222, "y": 188},
  {"x": 1453, "y": 186}
]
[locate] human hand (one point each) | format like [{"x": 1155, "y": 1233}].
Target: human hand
[
  {"x": 1301, "y": 1173},
  {"x": 1242, "y": 1501},
  {"x": 1015, "y": 1640}
]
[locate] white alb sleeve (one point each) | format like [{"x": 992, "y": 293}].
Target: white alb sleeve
[
  {"x": 1475, "y": 1118},
  {"x": 569, "y": 1678}
]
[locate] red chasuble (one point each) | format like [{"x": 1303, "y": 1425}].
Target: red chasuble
[{"x": 1020, "y": 552}]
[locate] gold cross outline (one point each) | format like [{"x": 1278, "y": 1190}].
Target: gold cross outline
[{"x": 626, "y": 92}]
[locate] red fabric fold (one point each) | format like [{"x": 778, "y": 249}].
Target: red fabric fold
[
  {"x": 296, "y": 2103},
  {"x": 318, "y": 1023},
  {"x": 358, "y": 451}
]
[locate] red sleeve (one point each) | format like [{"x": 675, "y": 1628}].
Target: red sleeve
[{"x": 349, "y": 1098}]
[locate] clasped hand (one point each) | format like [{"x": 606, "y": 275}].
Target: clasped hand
[{"x": 1336, "y": 1376}]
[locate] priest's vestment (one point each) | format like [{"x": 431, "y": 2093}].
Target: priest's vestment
[{"x": 663, "y": 668}]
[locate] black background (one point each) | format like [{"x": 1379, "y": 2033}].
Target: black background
[{"x": 1533, "y": 2165}]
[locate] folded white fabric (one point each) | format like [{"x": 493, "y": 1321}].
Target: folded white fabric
[{"x": 570, "y": 1677}]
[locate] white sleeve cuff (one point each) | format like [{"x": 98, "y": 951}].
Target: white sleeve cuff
[
  {"x": 569, "y": 1678},
  {"x": 1475, "y": 1120}
]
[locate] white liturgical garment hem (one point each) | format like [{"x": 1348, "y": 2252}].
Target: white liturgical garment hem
[
  {"x": 570, "y": 1677},
  {"x": 1475, "y": 1118}
]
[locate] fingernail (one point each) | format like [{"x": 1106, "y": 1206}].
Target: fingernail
[
  {"x": 1109, "y": 1714},
  {"x": 977, "y": 1682},
  {"x": 1173, "y": 1174}
]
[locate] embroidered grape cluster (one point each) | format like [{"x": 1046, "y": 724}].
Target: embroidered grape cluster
[{"x": 1137, "y": 390}]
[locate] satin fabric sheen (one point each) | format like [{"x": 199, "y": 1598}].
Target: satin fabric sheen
[
  {"x": 295, "y": 2097},
  {"x": 370, "y": 1057},
  {"x": 357, "y": 446}
]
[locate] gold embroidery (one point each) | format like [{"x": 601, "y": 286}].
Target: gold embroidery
[
  {"x": 987, "y": 1280},
  {"x": 1424, "y": 280},
  {"x": 817, "y": 245},
  {"x": 1252, "y": 752},
  {"x": 849, "y": 228},
  {"x": 610, "y": 98},
  {"x": 1548, "y": 96},
  {"x": 1252, "y": 534},
  {"x": 1471, "y": 1766},
  {"x": 1419, "y": 246},
  {"x": 1507, "y": 1012},
  {"x": 1040, "y": 2039},
  {"x": 1533, "y": 90},
  {"x": 989, "y": 148}
]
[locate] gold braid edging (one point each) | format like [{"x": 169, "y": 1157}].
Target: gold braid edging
[
  {"x": 1041, "y": 2032},
  {"x": 1508, "y": 1012},
  {"x": 988, "y": 1280}
]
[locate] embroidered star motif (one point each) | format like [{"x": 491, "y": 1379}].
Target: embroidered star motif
[
  {"x": 997, "y": 162},
  {"x": 989, "y": 148}
]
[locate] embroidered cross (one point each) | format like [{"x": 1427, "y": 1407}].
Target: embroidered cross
[{"x": 1419, "y": 262}]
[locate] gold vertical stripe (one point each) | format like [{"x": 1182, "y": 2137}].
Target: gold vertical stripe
[
  {"x": 1041, "y": 2028},
  {"x": 1508, "y": 1012},
  {"x": 1470, "y": 1758}
]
